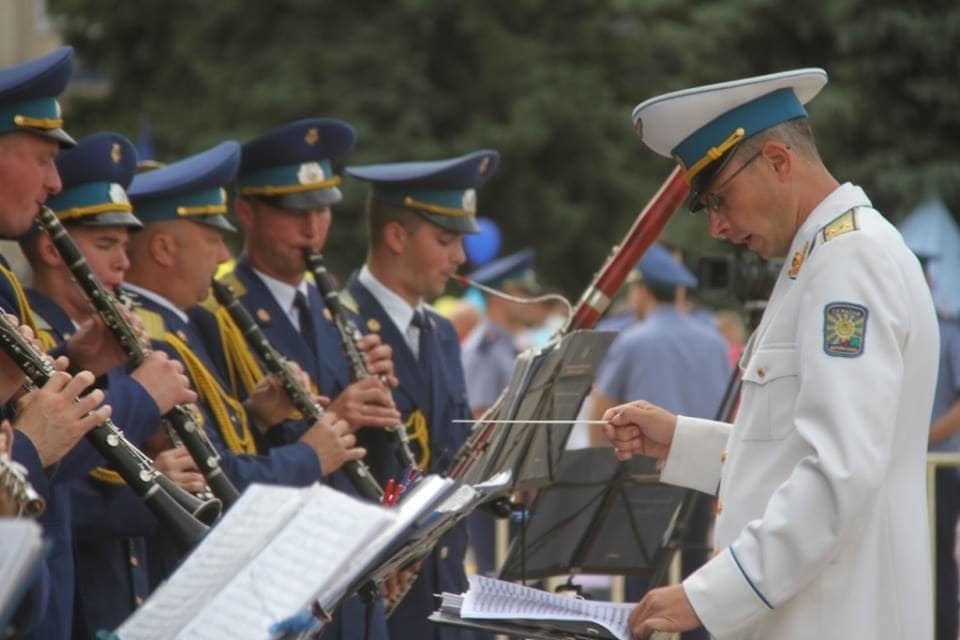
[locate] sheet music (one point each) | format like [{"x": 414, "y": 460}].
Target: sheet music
[
  {"x": 261, "y": 511},
  {"x": 294, "y": 568},
  {"x": 489, "y": 598},
  {"x": 413, "y": 507},
  {"x": 20, "y": 552}
]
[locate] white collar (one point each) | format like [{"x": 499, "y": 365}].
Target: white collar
[
  {"x": 159, "y": 299},
  {"x": 398, "y": 309}
]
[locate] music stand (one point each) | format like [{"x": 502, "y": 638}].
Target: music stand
[
  {"x": 599, "y": 516},
  {"x": 554, "y": 386}
]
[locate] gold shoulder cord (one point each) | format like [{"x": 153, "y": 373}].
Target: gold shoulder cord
[
  {"x": 216, "y": 398},
  {"x": 45, "y": 337}
]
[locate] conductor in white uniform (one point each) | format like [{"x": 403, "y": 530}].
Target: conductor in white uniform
[{"x": 822, "y": 522}]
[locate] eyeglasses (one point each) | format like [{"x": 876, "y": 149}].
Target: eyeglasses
[{"x": 713, "y": 201}]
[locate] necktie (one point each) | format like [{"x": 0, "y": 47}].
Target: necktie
[
  {"x": 306, "y": 320},
  {"x": 419, "y": 321}
]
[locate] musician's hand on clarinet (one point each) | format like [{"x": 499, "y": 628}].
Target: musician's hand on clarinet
[
  {"x": 378, "y": 357},
  {"x": 178, "y": 465},
  {"x": 268, "y": 404},
  {"x": 56, "y": 416},
  {"x": 664, "y": 609},
  {"x": 94, "y": 347},
  {"x": 395, "y": 585},
  {"x": 639, "y": 428},
  {"x": 366, "y": 403},
  {"x": 164, "y": 379},
  {"x": 331, "y": 439},
  {"x": 11, "y": 375}
]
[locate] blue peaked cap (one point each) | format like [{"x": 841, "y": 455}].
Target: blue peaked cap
[
  {"x": 291, "y": 166},
  {"x": 28, "y": 95},
  {"x": 514, "y": 270},
  {"x": 442, "y": 191},
  {"x": 95, "y": 175},
  {"x": 190, "y": 189},
  {"x": 660, "y": 267}
]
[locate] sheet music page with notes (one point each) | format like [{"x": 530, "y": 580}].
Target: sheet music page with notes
[
  {"x": 492, "y": 599},
  {"x": 242, "y": 533},
  {"x": 296, "y": 567}
]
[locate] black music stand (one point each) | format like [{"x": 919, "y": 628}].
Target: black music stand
[
  {"x": 599, "y": 516},
  {"x": 555, "y": 387}
]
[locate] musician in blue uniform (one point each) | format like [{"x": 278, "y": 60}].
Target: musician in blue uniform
[
  {"x": 109, "y": 520},
  {"x": 49, "y": 423},
  {"x": 285, "y": 190},
  {"x": 418, "y": 213},
  {"x": 489, "y": 353}
]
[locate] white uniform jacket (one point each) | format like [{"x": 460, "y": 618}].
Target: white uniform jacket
[{"x": 822, "y": 525}]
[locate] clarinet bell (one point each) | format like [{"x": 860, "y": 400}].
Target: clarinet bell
[{"x": 207, "y": 509}]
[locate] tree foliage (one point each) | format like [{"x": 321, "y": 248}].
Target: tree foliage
[{"x": 548, "y": 84}]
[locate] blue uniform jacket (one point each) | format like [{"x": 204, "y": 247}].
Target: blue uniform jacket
[
  {"x": 326, "y": 366},
  {"x": 108, "y": 521},
  {"x": 438, "y": 391}
]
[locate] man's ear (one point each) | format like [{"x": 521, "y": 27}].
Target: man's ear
[
  {"x": 395, "y": 237},
  {"x": 244, "y": 211},
  {"x": 778, "y": 155},
  {"x": 47, "y": 251},
  {"x": 162, "y": 248}
]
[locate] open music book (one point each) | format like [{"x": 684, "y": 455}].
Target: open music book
[
  {"x": 505, "y": 607},
  {"x": 20, "y": 556},
  {"x": 278, "y": 551}
]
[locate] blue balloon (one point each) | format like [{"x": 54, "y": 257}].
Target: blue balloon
[{"x": 483, "y": 246}]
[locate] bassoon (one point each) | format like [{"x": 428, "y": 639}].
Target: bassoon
[
  {"x": 349, "y": 339},
  {"x": 595, "y": 299},
  {"x": 358, "y": 472},
  {"x": 181, "y": 418}
]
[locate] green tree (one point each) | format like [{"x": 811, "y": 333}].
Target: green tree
[{"x": 549, "y": 84}]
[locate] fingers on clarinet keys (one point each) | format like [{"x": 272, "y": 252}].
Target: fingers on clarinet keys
[{"x": 331, "y": 439}]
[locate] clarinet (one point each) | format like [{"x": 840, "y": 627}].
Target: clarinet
[
  {"x": 181, "y": 418},
  {"x": 349, "y": 339},
  {"x": 14, "y": 484},
  {"x": 594, "y": 301},
  {"x": 177, "y": 510},
  {"x": 303, "y": 401}
]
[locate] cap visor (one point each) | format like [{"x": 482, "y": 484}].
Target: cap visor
[
  {"x": 305, "y": 200},
  {"x": 457, "y": 224},
  {"x": 220, "y": 222},
  {"x": 109, "y": 219}
]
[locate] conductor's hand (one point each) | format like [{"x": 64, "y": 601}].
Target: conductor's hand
[
  {"x": 639, "y": 428},
  {"x": 331, "y": 439},
  {"x": 379, "y": 358},
  {"x": 366, "y": 403},
  {"x": 663, "y": 609}
]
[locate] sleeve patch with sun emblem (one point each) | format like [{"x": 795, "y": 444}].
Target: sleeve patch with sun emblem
[{"x": 844, "y": 329}]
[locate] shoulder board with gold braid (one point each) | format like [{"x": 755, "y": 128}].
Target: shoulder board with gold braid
[
  {"x": 153, "y": 323},
  {"x": 844, "y": 223}
]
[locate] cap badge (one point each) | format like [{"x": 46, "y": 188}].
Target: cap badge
[
  {"x": 312, "y": 137},
  {"x": 310, "y": 173},
  {"x": 116, "y": 153},
  {"x": 118, "y": 195},
  {"x": 470, "y": 201},
  {"x": 484, "y": 166}
]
